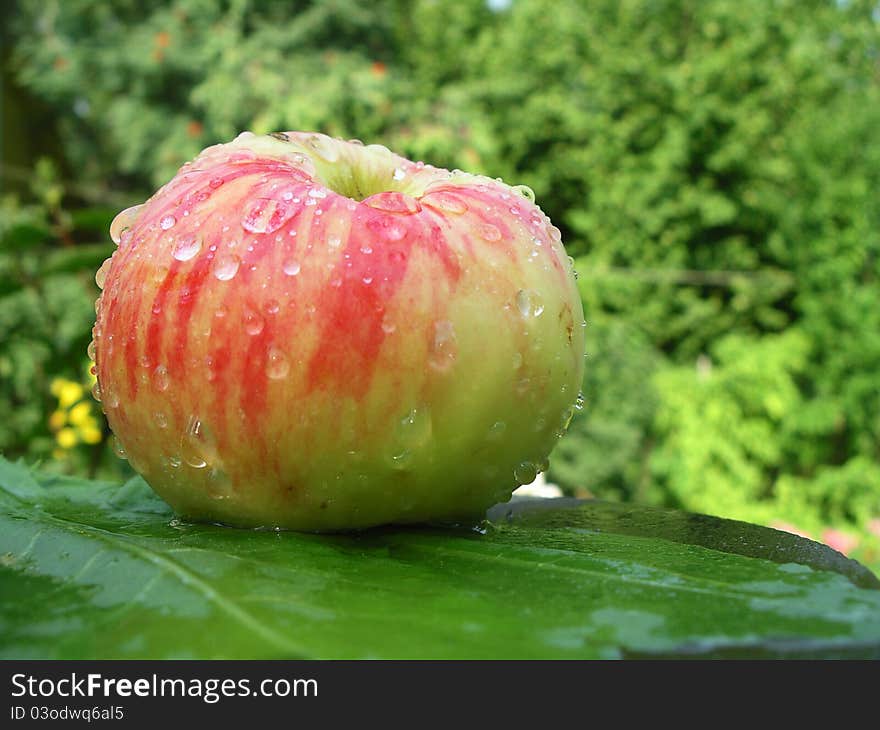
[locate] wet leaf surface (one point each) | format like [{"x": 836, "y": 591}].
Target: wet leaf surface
[{"x": 97, "y": 570}]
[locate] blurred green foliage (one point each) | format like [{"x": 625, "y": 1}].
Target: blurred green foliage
[{"x": 713, "y": 164}]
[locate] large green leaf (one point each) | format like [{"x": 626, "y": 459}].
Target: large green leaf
[{"x": 91, "y": 569}]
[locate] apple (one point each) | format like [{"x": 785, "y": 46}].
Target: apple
[{"x": 308, "y": 333}]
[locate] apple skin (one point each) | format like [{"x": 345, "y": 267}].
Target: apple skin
[{"x": 270, "y": 352}]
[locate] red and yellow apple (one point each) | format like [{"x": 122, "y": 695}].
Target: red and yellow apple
[{"x": 303, "y": 332}]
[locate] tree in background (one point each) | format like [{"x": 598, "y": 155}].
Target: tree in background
[{"x": 713, "y": 164}]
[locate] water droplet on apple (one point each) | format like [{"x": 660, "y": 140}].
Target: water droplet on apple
[
  {"x": 529, "y": 303},
  {"x": 413, "y": 433},
  {"x": 525, "y": 191},
  {"x": 195, "y": 461},
  {"x": 90, "y": 352},
  {"x": 266, "y": 216},
  {"x": 101, "y": 274},
  {"x": 324, "y": 147},
  {"x": 227, "y": 267},
  {"x": 197, "y": 447},
  {"x": 567, "y": 415},
  {"x": 186, "y": 248},
  {"x": 366, "y": 249},
  {"x": 443, "y": 348},
  {"x": 387, "y": 325},
  {"x": 118, "y": 448},
  {"x": 277, "y": 364},
  {"x": 317, "y": 193},
  {"x": 161, "y": 419},
  {"x": 394, "y": 232},
  {"x": 290, "y": 267},
  {"x": 167, "y": 222},
  {"x": 216, "y": 182},
  {"x": 161, "y": 379},
  {"x": 579, "y": 403},
  {"x": 496, "y": 431},
  {"x": 123, "y": 221},
  {"x": 398, "y": 174},
  {"x": 334, "y": 241},
  {"x": 271, "y": 307},
  {"x": 253, "y": 322},
  {"x": 555, "y": 233},
  {"x": 96, "y": 391},
  {"x": 445, "y": 202},
  {"x": 173, "y": 461},
  {"x": 394, "y": 202},
  {"x": 488, "y": 232},
  {"x": 525, "y": 472},
  {"x": 111, "y": 399},
  {"x": 401, "y": 459}
]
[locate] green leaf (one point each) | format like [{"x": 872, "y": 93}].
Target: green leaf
[
  {"x": 95, "y": 570},
  {"x": 77, "y": 258}
]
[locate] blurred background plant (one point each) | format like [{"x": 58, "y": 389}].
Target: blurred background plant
[{"x": 713, "y": 164}]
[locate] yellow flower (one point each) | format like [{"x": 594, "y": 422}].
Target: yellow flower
[
  {"x": 90, "y": 433},
  {"x": 67, "y": 392},
  {"x": 66, "y": 438},
  {"x": 81, "y": 413},
  {"x": 57, "y": 420}
]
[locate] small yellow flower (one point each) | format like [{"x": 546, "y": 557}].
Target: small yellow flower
[
  {"x": 90, "y": 434},
  {"x": 66, "y": 438},
  {"x": 81, "y": 413},
  {"x": 57, "y": 420},
  {"x": 69, "y": 393}
]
